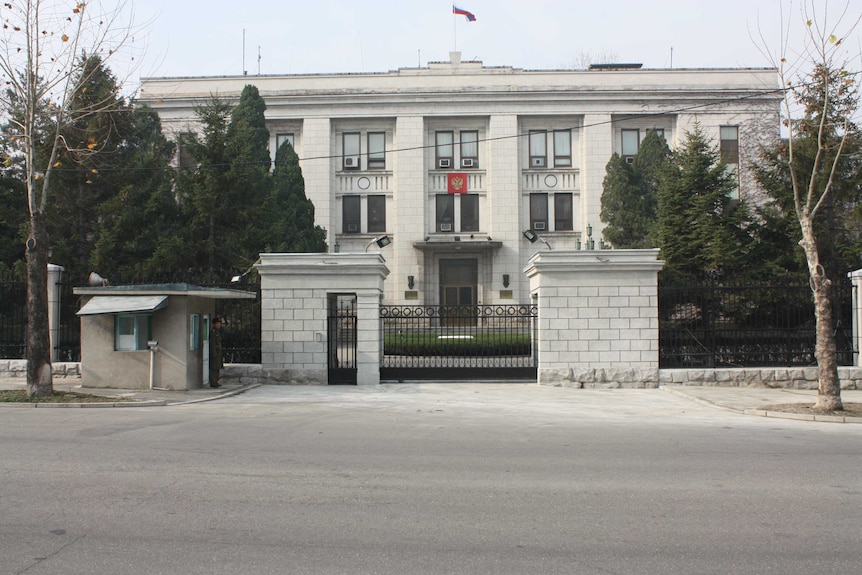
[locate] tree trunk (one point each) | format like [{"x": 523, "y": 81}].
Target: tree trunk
[
  {"x": 829, "y": 386},
  {"x": 39, "y": 370}
]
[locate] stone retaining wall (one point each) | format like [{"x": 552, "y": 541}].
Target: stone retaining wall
[{"x": 599, "y": 378}]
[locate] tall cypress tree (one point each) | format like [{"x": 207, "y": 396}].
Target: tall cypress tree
[
  {"x": 293, "y": 229},
  {"x": 701, "y": 230}
]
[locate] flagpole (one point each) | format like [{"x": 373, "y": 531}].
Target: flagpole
[{"x": 455, "y": 28}]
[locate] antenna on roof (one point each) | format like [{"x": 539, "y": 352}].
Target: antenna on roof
[
  {"x": 258, "y": 60},
  {"x": 244, "y": 72}
]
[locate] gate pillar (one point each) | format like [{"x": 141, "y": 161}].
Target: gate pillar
[
  {"x": 295, "y": 295},
  {"x": 598, "y": 317},
  {"x": 856, "y": 279}
]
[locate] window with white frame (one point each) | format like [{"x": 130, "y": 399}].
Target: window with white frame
[
  {"x": 469, "y": 149},
  {"x": 562, "y": 148},
  {"x": 351, "y": 142},
  {"x": 629, "y": 143},
  {"x": 444, "y": 144},
  {"x": 538, "y": 148},
  {"x": 729, "y": 150},
  {"x": 376, "y": 150},
  {"x": 132, "y": 331}
]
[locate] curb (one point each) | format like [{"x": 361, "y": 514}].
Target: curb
[
  {"x": 147, "y": 403},
  {"x": 230, "y": 393}
]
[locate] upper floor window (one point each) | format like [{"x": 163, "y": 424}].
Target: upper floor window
[
  {"x": 729, "y": 150},
  {"x": 538, "y": 148},
  {"x": 354, "y": 206},
  {"x": 351, "y": 150},
  {"x": 540, "y": 215},
  {"x": 562, "y": 149},
  {"x": 282, "y": 138},
  {"x": 351, "y": 215},
  {"x": 445, "y": 213},
  {"x": 376, "y": 150},
  {"x": 466, "y": 206},
  {"x": 445, "y": 150},
  {"x": 630, "y": 141},
  {"x": 376, "y": 213},
  {"x": 470, "y": 149}
]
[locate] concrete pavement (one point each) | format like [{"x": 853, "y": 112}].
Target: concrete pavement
[{"x": 745, "y": 400}]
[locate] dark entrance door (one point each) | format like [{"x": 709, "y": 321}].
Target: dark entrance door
[
  {"x": 458, "y": 284},
  {"x": 341, "y": 340}
]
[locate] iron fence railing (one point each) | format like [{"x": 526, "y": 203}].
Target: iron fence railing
[{"x": 746, "y": 326}]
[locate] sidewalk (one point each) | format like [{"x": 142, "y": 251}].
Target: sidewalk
[
  {"x": 744, "y": 400},
  {"x": 128, "y": 397}
]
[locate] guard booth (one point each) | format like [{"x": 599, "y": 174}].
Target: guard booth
[{"x": 147, "y": 336}]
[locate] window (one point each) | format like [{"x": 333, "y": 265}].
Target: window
[
  {"x": 350, "y": 154},
  {"x": 538, "y": 149},
  {"x": 563, "y": 213},
  {"x": 470, "y": 149},
  {"x": 194, "y": 331},
  {"x": 630, "y": 142},
  {"x": 376, "y": 214},
  {"x": 281, "y": 139},
  {"x": 469, "y": 212},
  {"x": 132, "y": 331},
  {"x": 729, "y": 150},
  {"x": 350, "y": 215},
  {"x": 658, "y": 131},
  {"x": 562, "y": 149},
  {"x": 445, "y": 213},
  {"x": 539, "y": 212},
  {"x": 445, "y": 147},
  {"x": 376, "y": 150}
]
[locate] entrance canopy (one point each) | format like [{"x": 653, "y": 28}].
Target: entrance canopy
[{"x": 105, "y": 304}]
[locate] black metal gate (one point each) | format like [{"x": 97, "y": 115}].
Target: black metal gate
[
  {"x": 341, "y": 340},
  {"x": 459, "y": 342}
]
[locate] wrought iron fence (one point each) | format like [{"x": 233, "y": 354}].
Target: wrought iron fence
[
  {"x": 463, "y": 341},
  {"x": 241, "y": 333},
  {"x": 13, "y": 318},
  {"x": 748, "y": 326}
]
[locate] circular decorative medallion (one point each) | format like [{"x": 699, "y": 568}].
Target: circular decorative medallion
[
  {"x": 364, "y": 183},
  {"x": 551, "y": 180}
]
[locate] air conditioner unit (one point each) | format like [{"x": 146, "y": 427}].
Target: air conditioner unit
[
  {"x": 445, "y": 227},
  {"x": 351, "y": 162},
  {"x": 467, "y": 163},
  {"x": 538, "y": 225},
  {"x": 630, "y": 159},
  {"x": 444, "y": 163},
  {"x": 537, "y": 162},
  {"x": 352, "y": 228}
]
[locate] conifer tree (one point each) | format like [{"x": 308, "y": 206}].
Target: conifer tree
[{"x": 293, "y": 229}]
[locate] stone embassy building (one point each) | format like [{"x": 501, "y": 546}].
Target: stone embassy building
[{"x": 458, "y": 163}]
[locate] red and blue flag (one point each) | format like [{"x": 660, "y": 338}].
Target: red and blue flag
[{"x": 470, "y": 16}]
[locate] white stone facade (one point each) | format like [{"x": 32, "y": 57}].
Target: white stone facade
[{"x": 468, "y": 256}]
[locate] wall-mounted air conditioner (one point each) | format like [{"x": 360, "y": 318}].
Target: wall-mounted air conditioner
[
  {"x": 444, "y": 163},
  {"x": 537, "y": 162},
  {"x": 538, "y": 225},
  {"x": 630, "y": 159},
  {"x": 467, "y": 163},
  {"x": 445, "y": 227},
  {"x": 351, "y": 162}
]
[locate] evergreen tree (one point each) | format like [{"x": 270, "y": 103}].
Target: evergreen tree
[
  {"x": 139, "y": 238},
  {"x": 88, "y": 167},
  {"x": 701, "y": 231},
  {"x": 629, "y": 194},
  {"x": 293, "y": 229}
]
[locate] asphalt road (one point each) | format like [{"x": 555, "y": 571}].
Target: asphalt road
[{"x": 427, "y": 479}]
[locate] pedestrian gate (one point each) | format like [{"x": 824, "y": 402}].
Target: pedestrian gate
[
  {"x": 341, "y": 338},
  {"x": 459, "y": 342}
]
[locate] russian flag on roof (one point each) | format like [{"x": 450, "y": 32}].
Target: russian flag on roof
[{"x": 470, "y": 16}]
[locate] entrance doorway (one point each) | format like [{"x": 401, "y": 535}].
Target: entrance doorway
[{"x": 458, "y": 285}]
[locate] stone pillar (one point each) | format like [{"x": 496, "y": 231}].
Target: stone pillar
[
  {"x": 55, "y": 274},
  {"x": 598, "y": 317},
  {"x": 295, "y": 290},
  {"x": 856, "y": 279}
]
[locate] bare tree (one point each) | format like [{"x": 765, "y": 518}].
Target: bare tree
[
  {"x": 819, "y": 105},
  {"x": 42, "y": 63}
]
